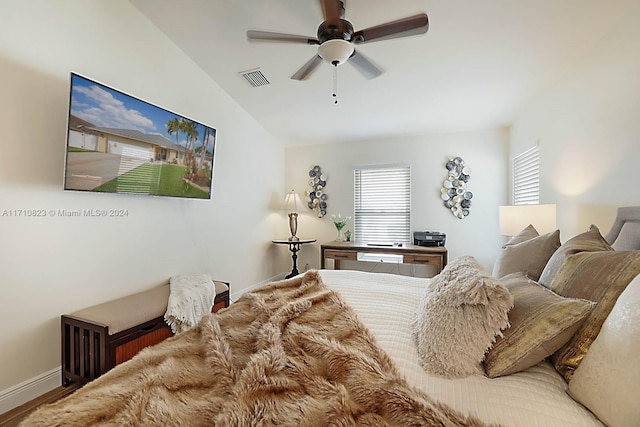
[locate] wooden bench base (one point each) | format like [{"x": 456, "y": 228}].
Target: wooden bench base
[{"x": 88, "y": 350}]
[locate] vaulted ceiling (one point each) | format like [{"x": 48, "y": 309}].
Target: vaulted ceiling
[{"x": 480, "y": 63}]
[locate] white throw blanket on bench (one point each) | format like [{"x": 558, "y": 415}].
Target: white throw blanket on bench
[{"x": 190, "y": 298}]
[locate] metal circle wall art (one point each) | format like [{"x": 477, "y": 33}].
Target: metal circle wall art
[
  {"x": 455, "y": 193},
  {"x": 317, "y": 197}
]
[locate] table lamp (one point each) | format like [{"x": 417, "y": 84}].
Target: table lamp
[
  {"x": 293, "y": 204},
  {"x": 513, "y": 219}
]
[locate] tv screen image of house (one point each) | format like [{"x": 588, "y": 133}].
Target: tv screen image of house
[{"x": 117, "y": 143}]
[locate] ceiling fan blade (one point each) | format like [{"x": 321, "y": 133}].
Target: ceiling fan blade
[
  {"x": 268, "y": 36},
  {"x": 410, "y": 26},
  {"x": 364, "y": 65},
  {"x": 331, "y": 11},
  {"x": 307, "y": 69}
]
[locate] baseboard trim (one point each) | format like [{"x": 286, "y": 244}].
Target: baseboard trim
[{"x": 28, "y": 390}]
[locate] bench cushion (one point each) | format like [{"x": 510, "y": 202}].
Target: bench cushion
[{"x": 126, "y": 312}]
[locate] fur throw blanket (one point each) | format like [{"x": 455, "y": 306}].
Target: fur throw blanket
[{"x": 291, "y": 353}]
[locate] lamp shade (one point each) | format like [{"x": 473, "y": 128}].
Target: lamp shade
[
  {"x": 513, "y": 219},
  {"x": 292, "y": 203}
]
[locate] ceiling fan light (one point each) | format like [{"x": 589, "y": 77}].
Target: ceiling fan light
[{"x": 335, "y": 51}]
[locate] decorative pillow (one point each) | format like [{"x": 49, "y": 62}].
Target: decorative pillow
[
  {"x": 610, "y": 368},
  {"x": 541, "y": 323},
  {"x": 529, "y": 256},
  {"x": 459, "y": 317},
  {"x": 590, "y": 241},
  {"x": 528, "y": 233},
  {"x": 597, "y": 276}
]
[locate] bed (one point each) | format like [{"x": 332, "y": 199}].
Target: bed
[{"x": 339, "y": 348}]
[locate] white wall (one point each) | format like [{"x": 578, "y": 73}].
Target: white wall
[
  {"x": 54, "y": 265},
  {"x": 485, "y": 152},
  {"x": 589, "y": 131}
]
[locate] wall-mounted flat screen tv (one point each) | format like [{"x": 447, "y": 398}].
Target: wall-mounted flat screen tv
[{"x": 117, "y": 143}]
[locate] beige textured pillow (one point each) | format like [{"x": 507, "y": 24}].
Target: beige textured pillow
[
  {"x": 610, "y": 368},
  {"x": 528, "y": 233},
  {"x": 459, "y": 317},
  {"x": 541, "y": 323},
  {"x": 596, "y": 276},
  {"x": 528, "y": 256},
  {"x": 589, "y": 241}
]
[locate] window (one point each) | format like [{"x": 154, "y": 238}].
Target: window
[
  {"x": 382, "y": 211},
  {"x": 526, "y": 178}
]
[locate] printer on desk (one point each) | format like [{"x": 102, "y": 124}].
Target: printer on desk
[{"x": 429, "y": 238}]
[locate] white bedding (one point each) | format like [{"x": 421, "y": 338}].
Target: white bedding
[{"x": 386, "y": 303}]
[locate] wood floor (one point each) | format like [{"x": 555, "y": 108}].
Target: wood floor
[{"x": 14, "y": 416}]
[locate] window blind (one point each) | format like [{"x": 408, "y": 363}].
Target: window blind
[
  {"x": 526, "y": 177},
  {"x": 382, "y": 204}
]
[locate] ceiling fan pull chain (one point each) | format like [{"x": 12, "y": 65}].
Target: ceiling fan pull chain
[{"x": 335, "y": 82}]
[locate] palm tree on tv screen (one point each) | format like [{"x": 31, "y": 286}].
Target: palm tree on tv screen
[
  {"x": 173, "y": 128},
  {"x": 189, "y": 129},
  {"x": 203, "y": 149}
]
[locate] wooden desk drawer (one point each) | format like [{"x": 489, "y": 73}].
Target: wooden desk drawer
[
  {"x": 422, "y": 259},
  {"x": 341, "y": 255}
]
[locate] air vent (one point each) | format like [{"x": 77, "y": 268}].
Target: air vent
[{"x": 255, "y": 77}]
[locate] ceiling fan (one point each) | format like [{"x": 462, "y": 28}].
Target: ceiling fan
[{"x": 336, "y": 39}]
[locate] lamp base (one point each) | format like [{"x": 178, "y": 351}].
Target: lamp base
[{"x": 293, "y": 226}]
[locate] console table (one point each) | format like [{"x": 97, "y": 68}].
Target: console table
[
  {"x": 411, "y": 254},
  {"x": 294, "y": 247}
]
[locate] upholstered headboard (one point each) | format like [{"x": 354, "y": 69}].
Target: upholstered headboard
[{"x": 625, "y": 232}]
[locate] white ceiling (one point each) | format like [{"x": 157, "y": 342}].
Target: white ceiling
[{"x": 479, "y": 64}]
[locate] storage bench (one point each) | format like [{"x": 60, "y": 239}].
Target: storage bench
[{"x": 100, "y": 337}]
